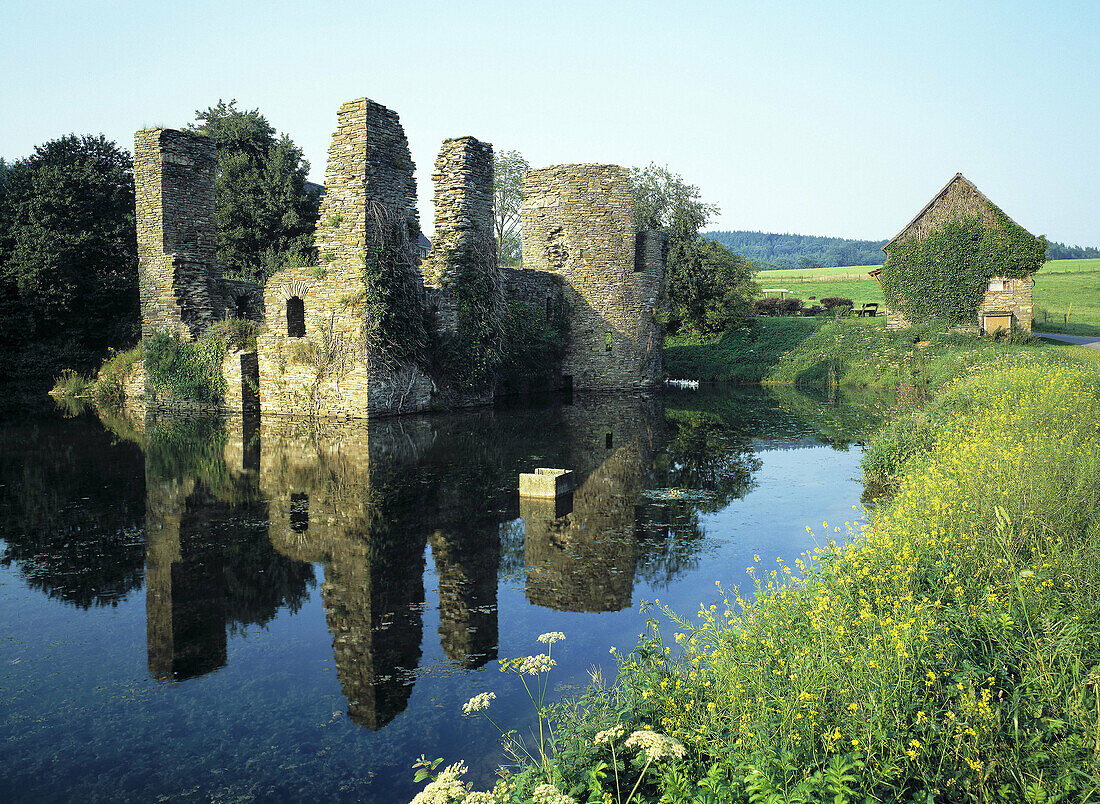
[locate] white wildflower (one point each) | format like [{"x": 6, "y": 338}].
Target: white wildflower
[
  {"x": 551, "y": 637},
  {"x": 609, "y": 735},
  {"x": 655, "y": 746},
  {"x": 533, "y": 665},
  {"x": 548, "y": 794},
  {"x": 478, "y": 797},
  {"x": 478, "y": 702},
  {"x": 447, "y": 786}
]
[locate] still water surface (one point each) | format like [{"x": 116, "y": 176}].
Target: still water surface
[{"x": 241, "y": 611}]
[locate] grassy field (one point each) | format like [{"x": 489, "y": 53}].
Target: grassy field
[
  {"x": 1067, "y": 292},
  {"x": 848, "y": 351}
]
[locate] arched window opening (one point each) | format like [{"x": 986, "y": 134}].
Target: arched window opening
[{"x": 295, "y": 317}]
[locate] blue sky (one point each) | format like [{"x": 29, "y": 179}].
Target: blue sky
[{"x": 808, "y": 117}]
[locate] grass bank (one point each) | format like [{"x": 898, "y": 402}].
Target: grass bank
[
  {"x": 947, "y": 653},
  {"x": 847, "y": 351}
]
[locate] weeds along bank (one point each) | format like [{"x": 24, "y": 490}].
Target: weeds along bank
[
  {"x": 949, "y": 653},
  {"x": 844, "y": 351}
]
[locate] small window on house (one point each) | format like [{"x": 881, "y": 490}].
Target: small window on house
[
  {"x": 607, "y": 342},
  {"x": 608, "y": 440},
  {"x": 1000, "y": 284},
  {"x": 299, "y": 513},
  {"x": 295, "y": 317}
]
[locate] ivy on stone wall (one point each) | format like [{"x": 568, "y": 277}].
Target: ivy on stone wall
[
  {"x": 944, "y": 276},
  {"x": 534, "y": 343},
  {"x": 395, "y": 324},
  {"x": 468, "y": 358}
]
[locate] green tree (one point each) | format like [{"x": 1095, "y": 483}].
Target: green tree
[
  {"x": 68, "y": 253},
  {"x": 265, "y": 214},
  {"x": 708, "y": 288},
  {"x": 509, "y": 168}
]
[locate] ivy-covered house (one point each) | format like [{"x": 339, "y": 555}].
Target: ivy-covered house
[{"x": 961, "y": 261}]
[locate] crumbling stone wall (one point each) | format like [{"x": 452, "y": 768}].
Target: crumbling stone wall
[
  {"x": 578, "y": 223},
  {"x": 463, "y": 238},
  {"x": 176, "y": 231},
  {"x": 369, "y": 204}
]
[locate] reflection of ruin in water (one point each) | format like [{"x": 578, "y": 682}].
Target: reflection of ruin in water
[{"x": 584, "y": 559}]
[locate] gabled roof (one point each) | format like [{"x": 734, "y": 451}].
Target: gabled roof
[{"x": 957, "y": 178}]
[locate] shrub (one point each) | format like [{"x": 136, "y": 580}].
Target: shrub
[
  {"x": 69, "y": 384},
  {"x": 111, "y": 380},
  {"x": 836, "y": 301},
  {"x": 238, "y": 333},
  {"x": 187, "y": 369},
  {"x": 790, "y": 306},
  {"x": 766, "y": 306}
]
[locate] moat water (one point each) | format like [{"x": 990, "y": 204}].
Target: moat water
[{"x": 261, "y": 611}]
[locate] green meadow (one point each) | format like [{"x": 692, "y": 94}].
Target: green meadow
[{"x": 1067, "y": 292}]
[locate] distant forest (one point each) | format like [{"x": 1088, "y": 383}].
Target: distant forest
[{"x": 771, "y": 251}]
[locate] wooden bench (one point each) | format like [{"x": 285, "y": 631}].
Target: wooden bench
[{"x": 868, "y": 309}]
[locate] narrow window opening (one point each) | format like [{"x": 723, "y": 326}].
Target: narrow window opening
[
  {"x": 607, "y": 342},
  {"x": 299, "y": 513},
  {"x": 242, "y": 307},
  {"x": 607, "y": 440},
  {"x": 639, "y": 251},
  {"x": 295, "y": 317}
]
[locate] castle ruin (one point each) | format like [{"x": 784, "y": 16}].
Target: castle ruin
[{"x": 319, "y": 351}]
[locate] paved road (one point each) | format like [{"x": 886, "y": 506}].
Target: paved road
[{"x": 1090, "y": 341}]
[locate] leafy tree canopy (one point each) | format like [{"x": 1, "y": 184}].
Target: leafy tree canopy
[
  {"x": 68, "y": 250},
  {"x": 509, "y": 168},
  {"x": 708, "y": 288},
  {"x": 265, "y": 214}
]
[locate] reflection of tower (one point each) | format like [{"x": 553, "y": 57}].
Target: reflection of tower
[
  {"x": 584, "y": 559},
  {"x": 466, "y": 563},
  {"x": 340, "y": 496},
  {"x": 209, "y": 563},
  {"x": 184, "y": 595}
]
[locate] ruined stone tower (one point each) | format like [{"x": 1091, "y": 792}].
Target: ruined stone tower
[
  {"x": 313, "y": 357},
  {"x": 463, "y": 241},
  {"x": 176, "y": 231},
  {"x": 578, "y": 223}
]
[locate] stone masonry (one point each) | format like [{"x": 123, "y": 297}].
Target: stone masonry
[
  {"x": 176, "y": 232},
  {"x": 578, "y": 223},
  {"x": 322, "y": 368},
  {"x": 463, "y": 219}
]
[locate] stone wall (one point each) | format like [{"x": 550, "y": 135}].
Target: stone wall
[
  {"x": 578, "y": 223},
  {"x": 324, "y": 369},
  {"x": 463, "y": 239},
  {"x": 1016, "y": 300},
  {"x": 176, "y": 231}
]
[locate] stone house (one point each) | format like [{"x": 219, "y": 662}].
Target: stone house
[{"x": 1007, "y": 301}]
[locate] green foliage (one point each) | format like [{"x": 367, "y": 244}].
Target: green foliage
[
  {"x": 509, "y": 168},
  {"x": 71, "y": 385},
  {"x": 264, "y": 211},
  {"x": 186, "y": 369},
  {"x": 396, "y": 328},
  {"x": 68, "y": 256},
  {"x": 111, "y": 380},
  {"x": 469, "y": 358},
  {"x": 709, "y": 288},
  {"x": 533, "y": 344},
  {"x": 238, "y": 333},
  {"x": 945, "y": 274}
]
